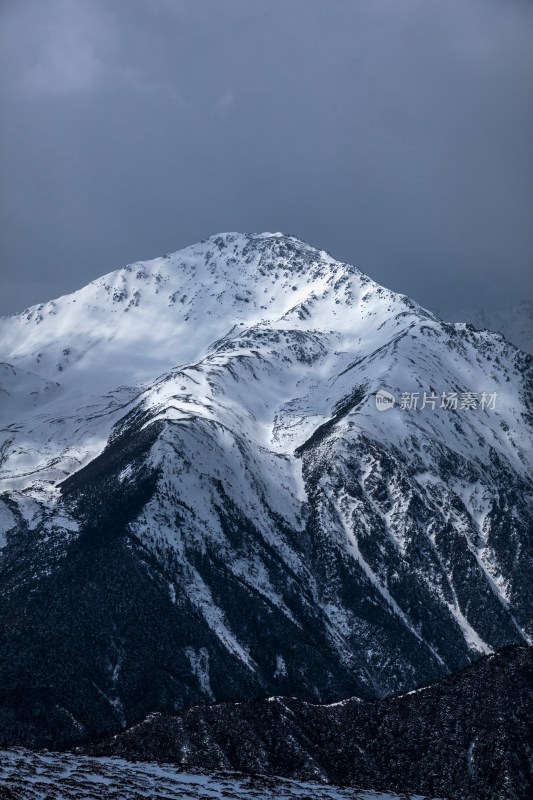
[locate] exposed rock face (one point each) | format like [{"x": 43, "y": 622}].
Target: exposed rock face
[{"x": 201, "y": 501}]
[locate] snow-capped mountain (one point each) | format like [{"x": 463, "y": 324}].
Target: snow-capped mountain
[
  {"x": 516, "y": 323},
  {"x": 203, "y": 500}
]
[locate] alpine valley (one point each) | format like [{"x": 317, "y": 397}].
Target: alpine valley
[{"x": 202, "y": 503}]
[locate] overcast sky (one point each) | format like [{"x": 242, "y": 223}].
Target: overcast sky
[{"x": 397, "y": 134}]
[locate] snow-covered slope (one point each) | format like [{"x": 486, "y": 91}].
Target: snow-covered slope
[
  {"x": 133, "y": 324},
  {"x": 516, "y": 323},
  {"x": 38, "y": 776},
  {"x": 204, "y": 502}
]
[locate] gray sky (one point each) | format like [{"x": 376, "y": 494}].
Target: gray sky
[{"x": 397, "y": 134}]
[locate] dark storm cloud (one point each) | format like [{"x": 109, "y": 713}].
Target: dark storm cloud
[{"x": 394, "y": 133}]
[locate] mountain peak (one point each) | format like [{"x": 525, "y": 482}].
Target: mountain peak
[{"x": 152, "y": 315}]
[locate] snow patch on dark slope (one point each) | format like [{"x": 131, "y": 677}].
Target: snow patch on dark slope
[
  {"x": 25, "y": 775},
  {"x": 206, "y": 505}
]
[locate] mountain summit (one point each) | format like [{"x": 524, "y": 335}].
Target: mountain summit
[{"x": 203, "y": 498}]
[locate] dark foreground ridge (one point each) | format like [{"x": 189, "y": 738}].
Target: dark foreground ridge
[{"x": 468, "y": 736}]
